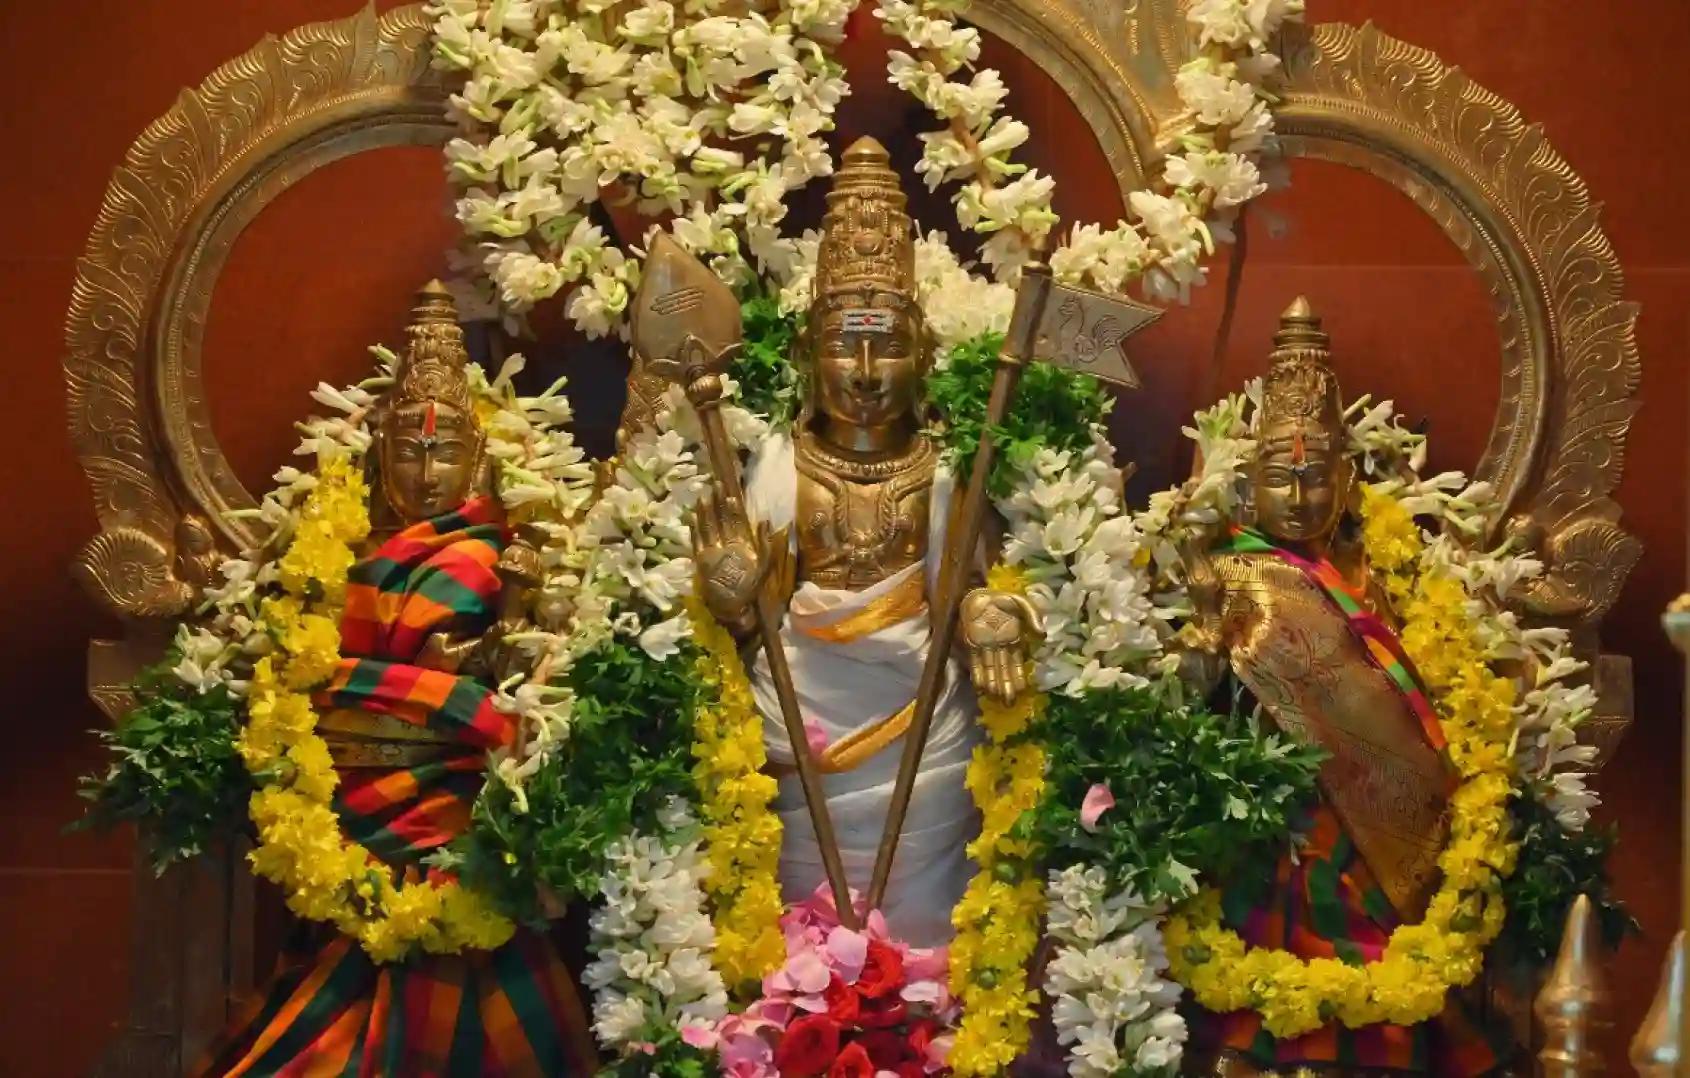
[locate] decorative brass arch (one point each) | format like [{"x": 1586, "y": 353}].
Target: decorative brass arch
[
  {"x": 1355, "y": 96},
  {"x": 195, "y": 178},
  {"x": 1500, "y": 192}
]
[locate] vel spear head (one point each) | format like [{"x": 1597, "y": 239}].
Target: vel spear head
[{"x": 686, "y": 321}]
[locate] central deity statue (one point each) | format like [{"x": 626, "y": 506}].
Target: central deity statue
[{"x": 855, "y": 507}]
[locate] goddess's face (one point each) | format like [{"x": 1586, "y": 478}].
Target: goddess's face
[
  {"x": 868, "y": 365},
  {"x": 1301, "y": 481},
  {"x": 429, "y": 455}
]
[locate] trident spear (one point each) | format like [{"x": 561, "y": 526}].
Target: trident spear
[
  {"x": 687, "y": 329},
  {"x": 1060, "y": 324}
]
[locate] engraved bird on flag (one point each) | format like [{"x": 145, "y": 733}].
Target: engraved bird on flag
[{"x": 1077, "y": 328}]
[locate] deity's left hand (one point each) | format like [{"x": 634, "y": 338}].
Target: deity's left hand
[{"x": 998, "y": 627}]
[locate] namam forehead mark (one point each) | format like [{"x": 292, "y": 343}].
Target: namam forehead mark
[{"x": 1298, "y": 442}]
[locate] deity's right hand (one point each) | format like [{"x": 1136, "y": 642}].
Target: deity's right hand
[
  {"x": 1203, "y": 588},
  {"x": 731, "y": 555}
]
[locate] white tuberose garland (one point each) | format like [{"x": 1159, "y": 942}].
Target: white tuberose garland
[
  {"x": 714, "y": 118},
  {"x": 1112, "y": 1007},
  {"x": 1225, "y": 92}
]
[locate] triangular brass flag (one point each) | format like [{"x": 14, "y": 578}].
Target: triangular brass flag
[{"x": 1076, "y": 328}]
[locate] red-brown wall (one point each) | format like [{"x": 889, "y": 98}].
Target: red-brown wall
[{"x": 329, "y": 267}]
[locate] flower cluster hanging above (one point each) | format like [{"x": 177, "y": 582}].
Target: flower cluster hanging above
[{"x": 714, "y": 116}]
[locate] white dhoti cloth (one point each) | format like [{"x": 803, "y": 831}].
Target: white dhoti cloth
[{"x": 845, "y": 687}]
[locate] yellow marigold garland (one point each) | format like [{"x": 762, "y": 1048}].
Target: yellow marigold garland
[
  {"x": 1422, "y": 962},
  {"x": 300, "y": 844},
  {"x": 997, "y": 921},
  {"x": 742, "y": 836}
]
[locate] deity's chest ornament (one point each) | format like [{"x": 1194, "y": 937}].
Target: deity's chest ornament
[{"x": 859, "y": 521}]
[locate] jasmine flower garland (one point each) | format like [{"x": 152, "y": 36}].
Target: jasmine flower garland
[
  {"x": 1112, "y": 1006},
  {"x": 1227, "y": 100},
  {"x": 652, "y": 978},
  {"x": 708, "y": 116}
]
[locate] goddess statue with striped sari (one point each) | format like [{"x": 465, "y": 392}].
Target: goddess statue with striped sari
[{"x": 409, "y": 719}]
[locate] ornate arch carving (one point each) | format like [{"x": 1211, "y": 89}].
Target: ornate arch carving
[
  {"x": 1514, "y": 208},
  {"x": 185, "y": 191}
]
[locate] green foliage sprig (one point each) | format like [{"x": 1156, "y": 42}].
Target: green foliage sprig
[
  {"x": 668, "y": 1057},
  {"x": 1555, "y": 866},
  {"x": 1053, "y": 407},
  {"x": 175, "y": 771},
  {"x": 768, "y": 381},
  {"x": 1196, "y": 794},
  {"x": 629, "y": 751}
]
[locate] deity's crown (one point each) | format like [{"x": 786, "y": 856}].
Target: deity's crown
[
  {"x": 432, "y": 368},
  {"x": 867, "y": 255},
  {"x": 1300, "y": 383}
]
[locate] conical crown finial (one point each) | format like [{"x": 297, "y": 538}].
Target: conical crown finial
[
  {"x": 1299, "y": 328},
  {"x": 432, "y": 368},
  {"x": 434, "y": 306},
  {"x": 867, "y": 254},
  {"x": 1300, "y": 384}
]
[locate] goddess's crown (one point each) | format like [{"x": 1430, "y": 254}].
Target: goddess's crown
[
  {"x": 867, "y": 255},
  {"x": 1300, "y": 383},
  {"x": 432, "y": 368}
]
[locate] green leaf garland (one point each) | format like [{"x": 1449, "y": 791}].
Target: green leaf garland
[
  {"x": 175, "y": 771},
  {"x": 1196, "y": 794}
]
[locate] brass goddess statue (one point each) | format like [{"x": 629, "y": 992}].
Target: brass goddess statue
[
  {"x": 409, "y": 721},
  {"x": 856, "y": 503},
  {"x": 1287, "y": 605}
]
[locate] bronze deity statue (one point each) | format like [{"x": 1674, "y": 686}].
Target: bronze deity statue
[
  {"x": 409, "y": 722},
  {"x": 844, "y": 522},
  {"x": 1267, "y": 613}
]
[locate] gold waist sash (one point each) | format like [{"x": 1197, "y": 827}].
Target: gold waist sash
[
  {"x": 902, "y": 603},
  {"x": 854, "y": 749}
]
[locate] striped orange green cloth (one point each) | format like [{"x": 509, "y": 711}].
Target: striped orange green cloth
[
  {"x": 1325, "y": 903},
  {"x": 332, "y": 1010}
]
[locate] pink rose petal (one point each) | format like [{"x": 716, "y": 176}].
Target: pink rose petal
[
  {"x": 927, "y": 964},
  {"x": 699, "y": 1036},
  {"x": 846, "y": 953},
  {"x": 805, "y": 973},
  {"x": 1098, "y": 801},
  {"x": 939, "y": 1052},
  {"x": 815, "y": 736}
]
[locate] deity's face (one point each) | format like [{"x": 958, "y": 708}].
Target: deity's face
[
  {"x": 868, "y": 365},
  {"x": 1301, "y": 480},
  {"x": 429, "y": 454}
]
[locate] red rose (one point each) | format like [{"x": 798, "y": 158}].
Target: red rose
[
  {"x": 883, "y": 1013},
  {"x": 912, "y": 1070},
  {"x": 841, "y": 1000},
  {"x": 883, "y": 971},
  {"x": 886, "y": 1047},
  {"x": 853, "y": 1062},
  {"x": 808, "y": 1045},
  {"x": 922, "y": 1032}
]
